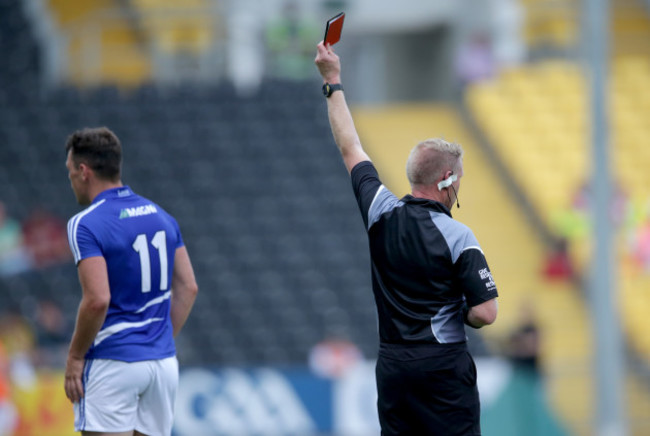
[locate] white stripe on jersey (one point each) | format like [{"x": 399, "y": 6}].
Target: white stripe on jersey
[
  {"x": 472, "y": 247},
  {"x": 381, "y": 188},
  {"x": 158, "y": 300},
  {"x": 384, "y": 201},
  {"x": 116, "y": 328},
  {"x": 73, "y": 225}
]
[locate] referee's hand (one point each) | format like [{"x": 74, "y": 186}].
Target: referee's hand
[
  {"x": 73, "y": 384},
  {"x": 328, "y": 63}
]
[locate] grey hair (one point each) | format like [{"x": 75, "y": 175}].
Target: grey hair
[{"x": 430, "y": 159}]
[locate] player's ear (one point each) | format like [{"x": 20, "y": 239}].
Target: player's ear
[{"x": 85, "y": 171}]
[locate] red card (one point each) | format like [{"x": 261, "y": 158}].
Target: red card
[{"x": 333, "y": 29}]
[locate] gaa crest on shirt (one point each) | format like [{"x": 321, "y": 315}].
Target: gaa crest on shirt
[{"x": 486, "y": 276}]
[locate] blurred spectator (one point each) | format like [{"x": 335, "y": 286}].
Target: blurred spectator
[
  {"x": 641, "y": 246},
  {"x": 331, "y": 358},
  {"x": 45, "y": 239},
  {"x": 51, "y": 331},
  {"x": 8, "y": 416},
  {"x": 582, "y": 201},
  {"x": 13, "y": 257},
  {"x": 574, "y": 222},
  {"x": 531, "y": 415},
  {"x": 18, "y": 339},
  {"x": 290, "y": 43},
  {"x": 558, "y": 265},
  {"x": 522, "y": 347},
  {"x": 474, "y": 60}
]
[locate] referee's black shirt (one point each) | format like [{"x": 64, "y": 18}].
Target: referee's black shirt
[{"x": 425, "y": 265}]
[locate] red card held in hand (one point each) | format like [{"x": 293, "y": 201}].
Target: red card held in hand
[{"x": 333, "y": 29}]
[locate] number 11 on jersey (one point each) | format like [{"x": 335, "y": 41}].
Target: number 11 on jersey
[{"x": 140, "y": 245}]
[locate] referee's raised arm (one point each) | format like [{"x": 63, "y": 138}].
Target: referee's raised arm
[{"x": 343, "y": 130}]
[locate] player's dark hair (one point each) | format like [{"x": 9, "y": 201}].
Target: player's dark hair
[{"x": 99, "y": 148}]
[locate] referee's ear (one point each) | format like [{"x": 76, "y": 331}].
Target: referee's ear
[{"x": 446, "y": 181}]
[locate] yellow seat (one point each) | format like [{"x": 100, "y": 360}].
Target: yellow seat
[
  {"x": 103, "y": 46},
  {"x": 178, "y": 27}
]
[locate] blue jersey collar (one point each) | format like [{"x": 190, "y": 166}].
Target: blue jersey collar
[{"x": 119, "y": 192}]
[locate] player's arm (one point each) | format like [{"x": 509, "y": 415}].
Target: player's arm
[
  {"x": 341, "y": 123},
  {"x": 96, "y": 296},
  {"x": 482, "y": 314},
  {"x": 184, "y": 289}
]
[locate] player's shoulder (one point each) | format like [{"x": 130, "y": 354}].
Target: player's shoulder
[
  {"x": 142, "y": 207},
  {"x": 161, "y": 210},
  {"x": 88, "y": 214}
]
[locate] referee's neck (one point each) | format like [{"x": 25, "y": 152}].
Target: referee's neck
[{"x": 428, "y": 193}]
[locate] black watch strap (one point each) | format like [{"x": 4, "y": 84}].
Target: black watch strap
[{"x": 329, "y": 88}]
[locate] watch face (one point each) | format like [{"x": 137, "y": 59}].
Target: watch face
[{"x": 326, "y": 90}]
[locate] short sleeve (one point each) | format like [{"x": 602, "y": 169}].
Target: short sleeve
[
  {"x": 83, "y": 243},
  {"x": 365, "y": 183},
  {"x": 474, "y": 277},
  {"x": 179, "y": 237}
]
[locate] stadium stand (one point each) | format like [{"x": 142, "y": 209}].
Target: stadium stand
[
  {"x": 102, "y": 43},
  {"x": 630, "y": 28},
  {"x": 266, "y": 209},
  {"x": 553, "y": 26},
  {"x": 257, "y": 185},
  {"x": 533, "y": 125},
  {"x": 176, "y": 27},
  {"x": 535, "y": 116},
  {"x": 551, "y": 23},
  {"x": 123, "y": 42},
  {"x": 20, "y": 65}
]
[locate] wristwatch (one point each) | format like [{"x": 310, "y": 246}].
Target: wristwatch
[{"x": 328, "y": 89}]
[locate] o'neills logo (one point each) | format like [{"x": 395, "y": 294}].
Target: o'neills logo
[{"x": 131, "y": 212}]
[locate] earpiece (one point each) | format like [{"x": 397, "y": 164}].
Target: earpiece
[{"x": 448, "y": 181}]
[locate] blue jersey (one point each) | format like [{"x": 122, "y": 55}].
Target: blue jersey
[{"x": 138, "y": 240}]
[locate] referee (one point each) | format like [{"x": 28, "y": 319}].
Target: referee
[{"x": 429, "y": 278}]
